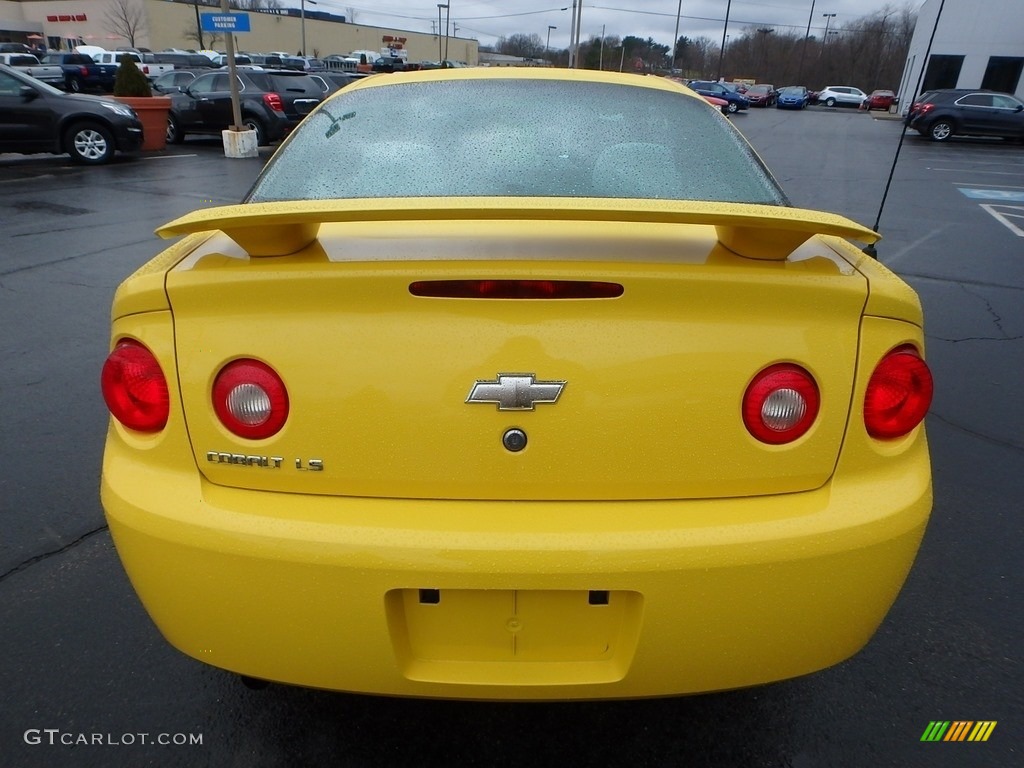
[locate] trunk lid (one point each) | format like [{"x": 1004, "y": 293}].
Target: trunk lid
[{"x": 381, "y": 381}]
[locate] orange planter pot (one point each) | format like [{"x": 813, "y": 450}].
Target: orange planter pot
[{"x": 153, "y": 114}]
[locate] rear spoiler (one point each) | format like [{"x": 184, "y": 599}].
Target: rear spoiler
[{"x": 753, "y": 231}]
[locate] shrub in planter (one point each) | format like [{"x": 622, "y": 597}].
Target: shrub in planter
[
  {"x": 130, "y": 81},
  {"x": 131, "y": 87}
]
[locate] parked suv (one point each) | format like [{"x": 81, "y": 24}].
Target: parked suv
[
  {"x": 736, "y": 100},
  {"x": 272, "y": 103},
  {"x": 37, "y": 118},
  {"x": 942, "y": 114},
  {"x": 841, "y": 95}
]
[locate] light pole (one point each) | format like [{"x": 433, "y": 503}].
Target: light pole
[
  {"x": 600, "y": 64},
  {"x": 302, "y": 14},
  {"x": 440, "y": 56},
  {"x": 547, "y": 45},
  {"x": 725, "y": 37},
  {"x": 675, "y": 38},
  {"x": 824, "y": 38},
  {"x": 447, "y": 18},
  {"x": 803, "y": 51}
]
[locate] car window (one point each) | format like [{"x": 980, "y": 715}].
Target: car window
[
  {"x": 975, "y": 100},
  {"x": 1003, "y": 101},
  {"x": 302, "y": 85},
  {"x": 9, "y": 86},
  {"x": 203, "y": 84},
  {"x": 513, "y": 138}
]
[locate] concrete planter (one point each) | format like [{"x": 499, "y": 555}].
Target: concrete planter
[
  {"x": 152, "y": 111},
  {"x": 240, "y": 144}
]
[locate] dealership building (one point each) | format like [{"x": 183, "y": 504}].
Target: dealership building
[
  {"x": 160, "y": 24},
  {"x": 975, "y": 45}
]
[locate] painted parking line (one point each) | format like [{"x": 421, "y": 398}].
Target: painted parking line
[
  {"x": 1010, "y": 216},
  {"x": 1002, "y": 195}
]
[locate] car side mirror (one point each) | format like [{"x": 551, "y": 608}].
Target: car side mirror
[
  {"x": 28, "y": 93},
  {"x": 1020, "y": 108}
]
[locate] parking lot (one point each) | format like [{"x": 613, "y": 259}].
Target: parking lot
[{"x": 81, "y": 658}]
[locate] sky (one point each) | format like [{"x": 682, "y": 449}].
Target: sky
[{"x": 489, "y": 20}]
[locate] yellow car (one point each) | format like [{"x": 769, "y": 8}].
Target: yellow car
[{"x": 493, "y": 389}]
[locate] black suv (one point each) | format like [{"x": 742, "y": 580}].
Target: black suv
[
  {"x": 272, "y": 102},
  {"x": 36, "y": 118},
  {"x": 942, "y": 114}
]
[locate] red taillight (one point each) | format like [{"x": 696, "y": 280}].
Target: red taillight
[
  {"x": 898, "y": 395},
  {"x": 250, "y": 399},
  {"x": 515, "y": 289},
  {"x": 134, "y": 387},
  {"x": 83, "y": 71},
  {"x": 273, "y": 100},
  {"x": 781, "y": 404}
]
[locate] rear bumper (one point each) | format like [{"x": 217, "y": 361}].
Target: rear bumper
[{"x": 493, "y": 600}]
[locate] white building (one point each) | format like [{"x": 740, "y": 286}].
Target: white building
[{"x": 977, "y": 44}]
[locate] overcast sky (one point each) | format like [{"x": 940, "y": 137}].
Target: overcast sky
[{"x": 488, "y": 20}]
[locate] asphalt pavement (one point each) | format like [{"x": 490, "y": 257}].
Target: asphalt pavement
[{"x": 89, "y": 681}]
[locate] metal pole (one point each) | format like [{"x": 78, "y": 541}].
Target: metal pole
[
  {"x": 824, "y": 39},
  {"x": 302, "y": 15},
  {"x": 803, "y": 51},
  {"x": 547, "y": 45},
  {"x": 572, "y": 35},
  {"x": 675, "y": 37},
  {"x": 579, "y": 25},
  {"x": 600, "y": 65},
  {"x": 440, "y": 56},
  {"x": 725, "y": 36},
  {"x": 447, "y": 18}
]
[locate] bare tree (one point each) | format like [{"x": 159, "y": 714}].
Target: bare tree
[
  {"x": 528, "y": 46},
  {"x": 256, "y": 5},
  {"x": 126, "y": 19}
]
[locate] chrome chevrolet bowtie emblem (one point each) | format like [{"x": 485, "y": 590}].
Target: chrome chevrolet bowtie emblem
[{"x": 515, "y": 391}]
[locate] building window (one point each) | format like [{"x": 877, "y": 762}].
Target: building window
[
  {"x": 1003, "y": 73},
  {"x": 943, "y": 72}
]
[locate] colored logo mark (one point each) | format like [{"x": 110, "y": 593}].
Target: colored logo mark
[{"x": 958, "y": 730}]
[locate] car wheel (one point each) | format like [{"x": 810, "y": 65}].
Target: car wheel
[
  {"x": 255, "y": 124},
  {"x": 74, "y": 85},
  {"x": 940, "y": 130},
  {"x": 89, "y": 143},
  {"x": 733, "y": 107},
  {"x": 174, "y": 133},
  {"x": 830, "y": 102}
]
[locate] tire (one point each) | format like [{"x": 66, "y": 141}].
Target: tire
[
  {"x": 940, "y": 130},
  {"x": 830, "y": 102},
  {"x": 174, "y": 133},
  {"x": 733, "y": 107},
  {"x": 74, "y": 85},
  {"x": 253, "y": 123},
  {"x": 89, "y": 144}
]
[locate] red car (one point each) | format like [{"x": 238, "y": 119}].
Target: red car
[
  {"x": 761, "y": 95},
  {"x": 879, "y": 100}
]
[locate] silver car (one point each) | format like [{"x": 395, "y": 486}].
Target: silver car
[{"x": 842, "y": 95}]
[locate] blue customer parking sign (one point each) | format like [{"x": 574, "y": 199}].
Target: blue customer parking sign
[{"x": 225, "y": 22}]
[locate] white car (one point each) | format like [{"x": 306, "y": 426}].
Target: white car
[{"x": 841, "y": 95}]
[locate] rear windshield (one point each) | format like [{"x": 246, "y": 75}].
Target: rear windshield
[
  {"x": 299, "y": 83},
  {"x": 524, "y": 138}
]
